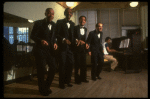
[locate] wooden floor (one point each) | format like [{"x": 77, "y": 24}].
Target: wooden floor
[{"x": 115, "y": 84}]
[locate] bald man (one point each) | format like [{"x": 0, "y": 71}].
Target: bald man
[
  {"x": 43, "y": 34},
  {"x": 95, "y": 50}
]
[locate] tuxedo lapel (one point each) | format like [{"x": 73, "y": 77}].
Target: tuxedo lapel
[
  {"x": 45, "y": 27},
  {"x": 95, "y": 35},
  {"x": 85, "y": 33},
  {"x": 78, "y": 32},
  {"x": 72, "y": 30},
  {"x": 101, "y": 34},
  {"x": 65, "y": 27}
]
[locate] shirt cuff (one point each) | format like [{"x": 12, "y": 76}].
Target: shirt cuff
[{"x": 63, "y": 40}]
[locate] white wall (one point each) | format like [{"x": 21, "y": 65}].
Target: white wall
[
  {"x": 144, "y": 24},
  {"x": 34, "y": 11}
]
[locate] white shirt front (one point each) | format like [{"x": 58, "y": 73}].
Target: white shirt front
[
  {"x": 82, "y": 32},
  {"x": 49, "y": 26},
  {"x": 98, "y": 35},
  {"x": 68, "y": 24}
]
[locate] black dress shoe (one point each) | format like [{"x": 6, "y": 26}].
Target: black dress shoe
[
  {"x": 44, "y": 93},
  {"x": 86, "y": 81},
  {"x": 62, "y": 87},
  {"x": 50, "y": 91},
  {"x": 99, "y": 77},
  {"x": 78, "y": 83},
  {"x": 94, "y": 79},
  {"x": 69, "y": 85}
]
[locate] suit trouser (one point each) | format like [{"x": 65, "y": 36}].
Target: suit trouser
[
  {"x": 80, "y": 63},
  {"x": 41, "y": 60},
  {"x": 98, "y": 61},
  {"x": 66, "y": 62}
]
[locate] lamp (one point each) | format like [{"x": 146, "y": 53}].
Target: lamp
[
  {"x": 133, "y": 4},
  {"x": 69, "y": 4},
  {"x": 31, "y": 21}
]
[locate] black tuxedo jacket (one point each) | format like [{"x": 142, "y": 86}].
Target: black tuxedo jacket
[
  {"x": 94, "y": 42},
  {"x": 41, "y": 31},
  {"x": 77, "y": 35},
  {"x": 62, "y": 32}
]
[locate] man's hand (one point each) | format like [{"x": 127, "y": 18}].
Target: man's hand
[
  {"x": 87, "y": 46},
  {"x": 89, "y": 53},
  {"x": 80, "y": 42},
  {"x": 44, "y": 43},
  {"x": 55, "y": 46},
  {"x": 67, "y": 41}
]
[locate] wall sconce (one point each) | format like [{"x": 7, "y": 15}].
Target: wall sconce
[
  {"x": 70, "y": 4},
  {"x": 133, "y": 4}
]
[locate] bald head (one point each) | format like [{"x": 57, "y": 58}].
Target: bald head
[
  {"x": 49, "y": 13},
  {"x": 68, "y": 13},
  {"x": 99, "y": 27}
]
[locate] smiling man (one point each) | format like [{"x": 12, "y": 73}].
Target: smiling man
[
  {"x": 96, "y": 50},
  {"x": 80, "y": 32},
  {"x": 65, "y": 37},
  {"x": 43, "y": 34}
]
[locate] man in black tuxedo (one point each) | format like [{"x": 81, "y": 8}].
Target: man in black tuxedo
[
  {"x": 96, "y": 50},
  {"x": 80, "y": 32},
  {"x": 65, "y": 39},
  {"x": 43, "y": 34}
]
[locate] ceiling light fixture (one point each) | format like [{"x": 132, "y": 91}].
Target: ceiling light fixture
[
  {"x": 31, "y": 21},
  {"x": 133, "y": 4},
  {"x": 69, "y": 4}
]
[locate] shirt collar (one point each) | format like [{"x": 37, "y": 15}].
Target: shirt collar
[
  {"x": 98, "y": 32},
  {"x": 47, "y": 21},
  {"x": 81, "y": 26},
  {"x": 67, "y": 20}
]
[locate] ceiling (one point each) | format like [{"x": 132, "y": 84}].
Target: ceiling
[
  {"x": 77, "y": 6},
  {"x": 9, "y": 18},
  {"x": 96, "y": 5}
]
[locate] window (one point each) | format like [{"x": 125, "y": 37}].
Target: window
[
  {"x": 16, "y": 33},
  {"x": 11, "y": 35},
  {"x": 22, "y": 34},
  {"x": 5, "y": 28}
]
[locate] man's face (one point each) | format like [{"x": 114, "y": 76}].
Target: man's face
[
  {"x": 82, "y": 21},
  {"x": 49, "y": 15},
  {"x": 68, "y": 13},
  {"x": 99, "y": 27},
  {"x": 109, "y": 41}
]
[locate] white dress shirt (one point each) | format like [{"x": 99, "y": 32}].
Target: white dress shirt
[
  {"x": 98, "y": 35},
  {"x": 82, "y": 32},
  {"x": 49, "y": 26},
  {"x": 68, "y": 24}
]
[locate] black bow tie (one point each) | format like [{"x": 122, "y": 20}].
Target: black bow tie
[
  {"x": 81, "y": 27},
  {"x": 49, "y": 22},
  {"x": 68, "y": 21},
  {"x": 99, "y": 32}
]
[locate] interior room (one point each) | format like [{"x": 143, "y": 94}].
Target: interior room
[{"x": 122, "y": 22}]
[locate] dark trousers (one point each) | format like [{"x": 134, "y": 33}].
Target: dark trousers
[
  {"x": 97, "y": 61},
  {"x": 41, "y": 59},
  {"x": 66, "y": 62},
  {"x": 80, "y": 63}
]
